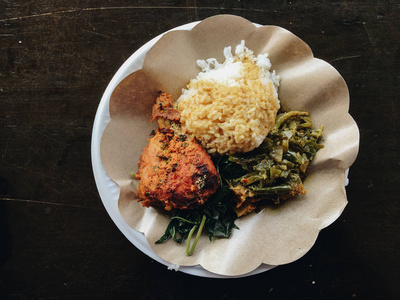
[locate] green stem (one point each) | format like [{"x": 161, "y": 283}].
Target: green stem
[
  {"x": 203, "y": 221},
  {"x": 272, "y": 190},
  {"x": 183, "y": 219},
  {"x": 282, "y": 118},
  {"x": 188, "y": 253}
]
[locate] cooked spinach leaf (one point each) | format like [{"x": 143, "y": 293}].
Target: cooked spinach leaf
[{"x": 216, "y": 216}]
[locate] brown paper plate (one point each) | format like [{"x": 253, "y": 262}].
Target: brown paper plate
[{"x": 272, "y": 237}]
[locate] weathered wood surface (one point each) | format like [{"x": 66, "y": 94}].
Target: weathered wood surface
[{"x": 56, "y": 239}]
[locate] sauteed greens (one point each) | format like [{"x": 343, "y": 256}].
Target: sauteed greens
[
  {"x": 273, "y": 171},
  {"x": 276, "y": 168},
  {"x": 216, "y": 216}
]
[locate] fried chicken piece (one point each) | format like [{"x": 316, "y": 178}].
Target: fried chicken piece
[
  {"x": 174, "y": 170},
  {"x": 164, "y": 111}
]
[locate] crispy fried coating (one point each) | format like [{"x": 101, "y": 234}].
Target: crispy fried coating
[
  {"x": 164, "y": 112},
  {"x": 175, "y": 172}
]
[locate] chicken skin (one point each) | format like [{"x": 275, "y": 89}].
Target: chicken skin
[{"x": 175, "y": 172}]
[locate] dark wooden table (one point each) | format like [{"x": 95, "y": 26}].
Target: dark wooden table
[{"x": 56, "y": 238}]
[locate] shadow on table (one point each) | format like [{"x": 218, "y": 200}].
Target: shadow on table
[{"x": 4, "y": 234}]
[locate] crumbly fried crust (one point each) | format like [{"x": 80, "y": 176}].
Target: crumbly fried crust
[{"x": 174, "y": 170}]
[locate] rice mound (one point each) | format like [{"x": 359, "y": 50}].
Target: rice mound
[{"x": 231, "y": 107}]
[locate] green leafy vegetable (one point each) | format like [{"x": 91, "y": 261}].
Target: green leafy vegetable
[
  {"x": 216, "y": 216},
  {"x": 276, "y": 168}
]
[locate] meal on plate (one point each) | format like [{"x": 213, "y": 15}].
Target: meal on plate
[{"x": 224, "y": 147}]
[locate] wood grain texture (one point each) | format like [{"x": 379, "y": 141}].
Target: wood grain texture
[{"x": 56, "y": 239}]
